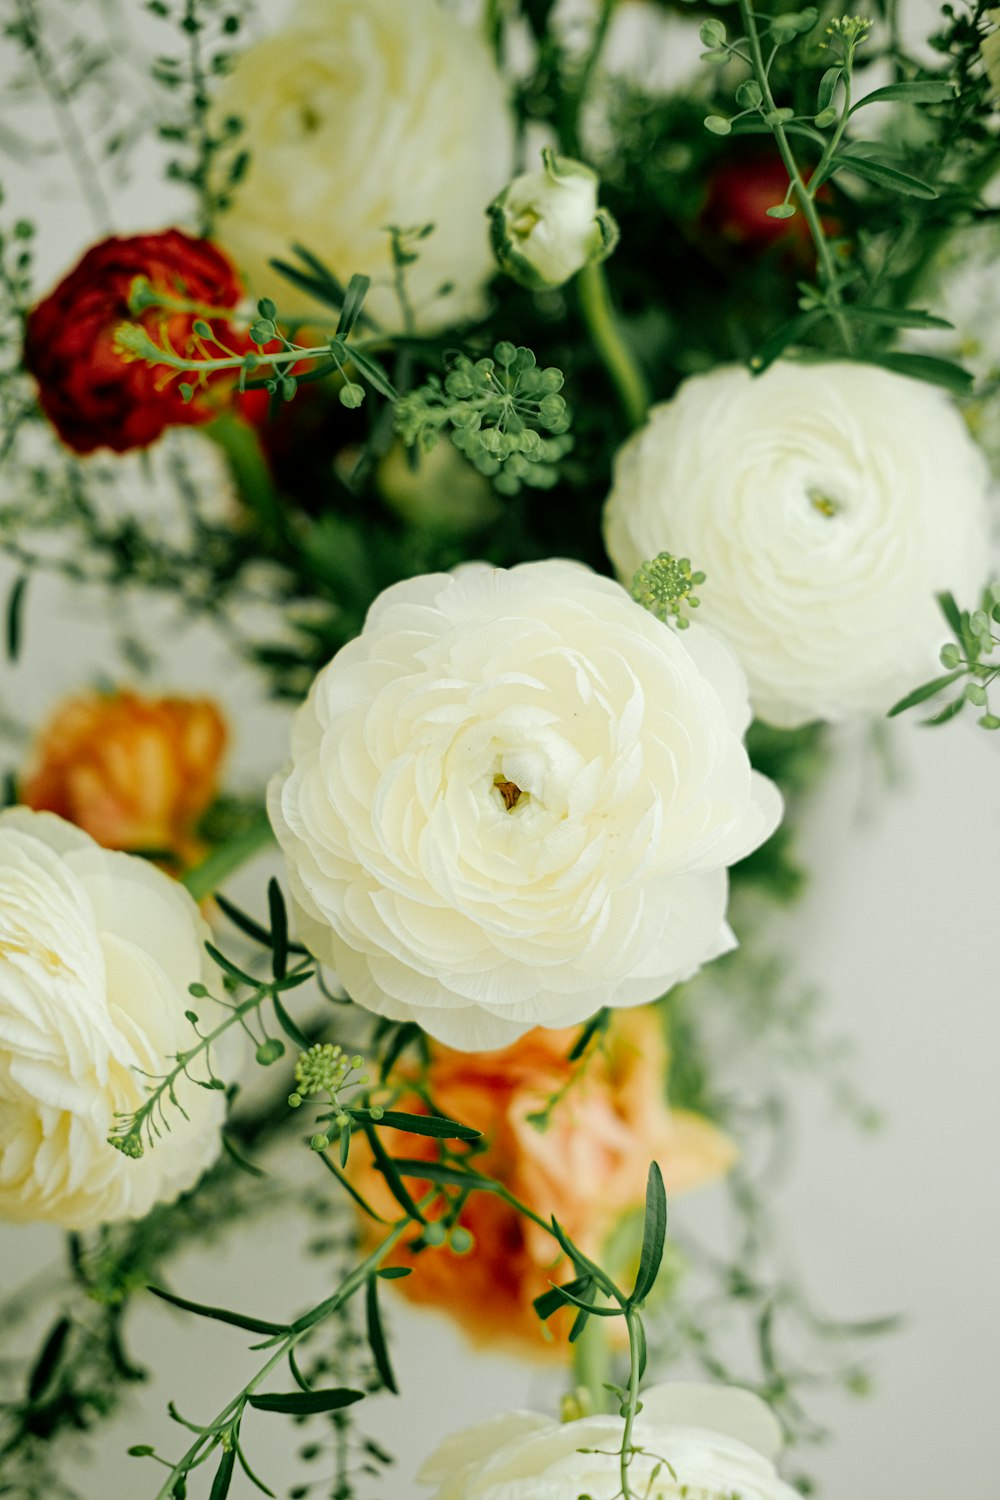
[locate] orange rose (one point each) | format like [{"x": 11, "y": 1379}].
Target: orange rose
[
  {"x": 588, "y": 1167},
  {"x": 135, "y": 773}
]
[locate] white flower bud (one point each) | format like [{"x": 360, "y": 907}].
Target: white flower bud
[{"x": 546, "y": 225}]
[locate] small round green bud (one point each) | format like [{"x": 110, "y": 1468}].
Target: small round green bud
[
  {"x": 294, "y": 1100},
  {"x": 989, "y": 721},
  {"x": 950, "y": 655},
  {"x": 551, "y": 408},
  {"x": 269, "y": 1051},
  {"x": 357, "y": 1061},
  {"x": 320, "y": 1142},
  {"x": 198, "y": 991},
  {"x": 376, "y": 1111},
  {"x": 459, "y": 385},
  {"x": 552, "y": 380},
  {"x": 976, "y": 694},
  {"x": 461, "y": 1240},
  {"x": 141, "y": 1450},
  {"x": 352, "y": 395},
  {"x": 505, "y": 353},
  {"x": 434, "y": 1234}
]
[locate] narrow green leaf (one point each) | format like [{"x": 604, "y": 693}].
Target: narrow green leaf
[
  {"x": 385, "y": 1164},
  {"x": 320, "y": 271},
  {"x": 279, "y": 928},
  {"x": 923, "y": 91},
  {"x": 254, "y": 1479},
  {"x": 598, "y": 1023},
  {"x": 941, "y": 372},
  {"x": 883, "y": 176},
  {"x": 289, "y": 1027},
  {"x": 305, "y": 1403},
  {"x": 403, "y": 1035},
  {"x": 783, "y": 337},
  {"x": 951, "y": 611},
  {"x": 549, "y": 1302},
  {"x": 15, "y": 614},
  {"x": 892, "y": 317},
  {"x": 44, "y": 1366},
  {"x": 374, "y": 373},
  {"x": 949, "y": 711},
  {"x": 220, "y": 1314},
  {"x": 827, "y": 88},
  {"x": 311, "y": 285},
  {"x": 654, "y": 1233},
  {"x": 925, "y": 691},
  {"x": 297, "y": 1375},
  {"x": 640, "y": 1338},
  {"x": 438, "y": 1126},
  {"x": 446, "y": 1176},
  {"x": 357, "y": 291},
  {"x": 346, "y": 1183},
  {"x": 393, "y": 1273},
  {"x": 227, "y": 965},
  {"x": 240, "y": 1160},
  {"x": 223, "y": 1475},
  {"x": 376, "y": 1337},
  {"x": 246, "y": 924}
]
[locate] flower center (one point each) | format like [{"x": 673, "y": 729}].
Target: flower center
[
  {"x": 509, "y": 791},
  {"x": 824, "y": 503}
]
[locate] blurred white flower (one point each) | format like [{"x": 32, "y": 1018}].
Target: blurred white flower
[
  {"x": 827, "y": 504},
  {"x": 358, "y": 115},
  {"x": 97, "y": 950},
  {"x": 701, "y": 1441},
  {"x": 513, "y": 799}
]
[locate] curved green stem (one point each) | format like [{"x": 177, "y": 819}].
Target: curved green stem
[
  {"x": 592, "y": 1363},
  {"x": 620, "y": 363},
  {"x": 632, "y": 1322},
  {"x": 823, "y": 253}
]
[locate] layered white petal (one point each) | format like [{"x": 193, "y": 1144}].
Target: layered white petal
[
  {"x": 602, "y": 883},
  {"x": 827, "y": 504},
  {"x": 97, "y": 951},
  {"x": 362, "y": 114},
  {"x": 699, "y": 1441}
]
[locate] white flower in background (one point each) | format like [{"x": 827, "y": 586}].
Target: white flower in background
[
  {"x": 546, "y": 225},
  {"x": 512, "y": 800},
  {"x": 827, "y": 504},
  {"x": 701, "y": 1441},
  {"x": 97, "y": 950},
  {"x": 360, "y": 114}
]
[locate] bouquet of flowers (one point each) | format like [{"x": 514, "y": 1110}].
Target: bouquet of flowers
[{"x": 556, "y": 415}]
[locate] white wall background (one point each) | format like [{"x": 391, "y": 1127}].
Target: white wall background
[{"x": 900, "y": 929}]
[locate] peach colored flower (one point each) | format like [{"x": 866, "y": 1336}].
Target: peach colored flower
[
  {"x": 135, "y": 773},
  {"x": 588, "y": 1167}
]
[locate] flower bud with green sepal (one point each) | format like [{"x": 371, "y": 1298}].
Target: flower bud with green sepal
[{"x": 546, "y": 225}]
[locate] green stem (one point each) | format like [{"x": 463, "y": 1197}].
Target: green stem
[
  {"x": 213, "y": 870},
  {"x": 824, "y": 255},
  {"x": 632, "y": 1321},
  {"x": 298, "y": 1331},
  {"x": 626, "y": 376},
  {"x": 592, "y": 1362}
]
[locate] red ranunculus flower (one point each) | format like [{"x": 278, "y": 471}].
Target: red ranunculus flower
[
  {"x": 740, "y": 191},
  {"x": 92, "y": 395}
]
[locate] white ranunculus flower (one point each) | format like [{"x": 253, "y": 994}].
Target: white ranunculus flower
[
  {"x": 358, "y": 115},
  {"x": 827, "y": 504},
  {"x": 546, "y": 225},
  {"x": 97, "y": 950},
  {"x": 700, "y": 1441},
  {"x": 513, "y": 799}
]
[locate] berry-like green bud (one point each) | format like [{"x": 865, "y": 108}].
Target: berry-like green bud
[{"x": 664, "y": 586}]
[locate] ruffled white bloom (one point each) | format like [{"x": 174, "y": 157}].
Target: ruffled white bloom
[
  {"x": 827, "y": 504},
  {"x": 512, "y": 800},
  {"x": 700, "y": 1441},
  {"x": 97, "y": 950},
  {"x": 361, "y": 114},
  {"x": 546, "y": 225}
]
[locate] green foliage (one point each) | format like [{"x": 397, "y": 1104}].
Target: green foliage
[
  {"x": 971, "y": 659},
  {"x": 496, "y": 410}
]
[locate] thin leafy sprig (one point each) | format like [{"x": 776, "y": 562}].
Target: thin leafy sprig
[
  {"x": 138, "y": 1129},
  {"x": 971, "y": 659}
]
